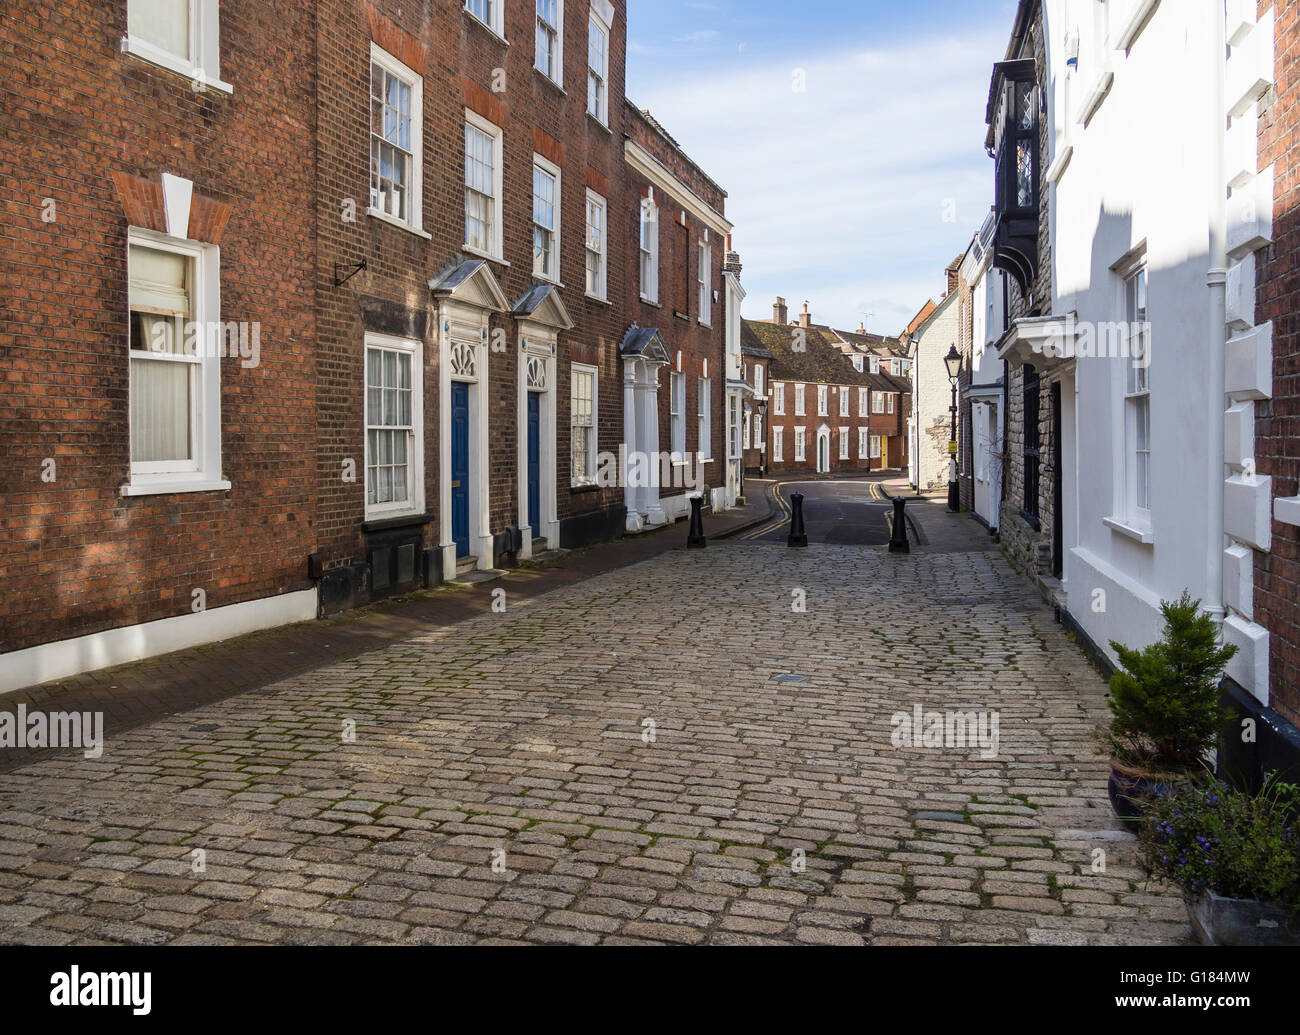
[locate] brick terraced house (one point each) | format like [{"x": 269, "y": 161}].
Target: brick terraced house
[
  {"x": 158, "y": 414},
  {"x": 439, "y": 326},
  {"x": 824, "y": 416}
]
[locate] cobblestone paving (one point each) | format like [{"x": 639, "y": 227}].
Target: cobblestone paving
[{"x": 523, "y": 733}]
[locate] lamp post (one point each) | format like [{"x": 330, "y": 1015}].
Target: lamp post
[{"x": 953, "y": 362}]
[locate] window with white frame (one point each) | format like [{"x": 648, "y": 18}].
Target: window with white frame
[
  {"x": 550, "y": 39},
  {"x": 396, "y": 150},
  {"x": 705, "y": 276},
  {"x": 174, "y": 400},
  {"x": 799, "y": 400},
  {"x": 844, "y": 443},
  {"x": 877, "y": 402},
  {"x": 863, "y": 446},
  {"x": 179, "y": 35},
  {"x": 778, "y": 443},
  {"x": 733, "y": 426},
  {"x": 890, "y": 400},
  {"x": 489, "y": 12},
  {"x": 862, "y": 402},
  {"x": 875, "y": 365},
  {"x": 758, "y": 379},
  {"x": 582, "y": 421},
  {"x": 1137, "y": 400},
  {"x": 394, "y": 438},
  {"x": 893, "y": 367},
  {"x": 677, "y": 414},
  {"x": 875, "y": 447},
  {"x": 483, "y": 177},
  {"x": 844, "y": 402},
  {"x": 597, "y": 245},
  {"x": 650, "y": 250},
  {"x": 598, "y": 68},
  {"x": 546, "y": 219},
  {"x": 749, "y": 420},
  {"x": 857, "y": 364},
  {"x": 800, "y": 440},
  {"x": 778, "y": 398},
  {"x": 823, "y": 401},
  {"x": 758, "y": 432},
  {"x": 705, "y": 421}
]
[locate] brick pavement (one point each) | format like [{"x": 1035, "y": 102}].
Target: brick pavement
[{"x": 499, "y": 787}]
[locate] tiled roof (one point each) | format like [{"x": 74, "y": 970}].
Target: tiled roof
[{"x": 820, "y": 363}]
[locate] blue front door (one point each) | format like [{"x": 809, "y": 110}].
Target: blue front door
[
  {"x": 535, "y": 462},
  {"x": 460, "y": 467}
]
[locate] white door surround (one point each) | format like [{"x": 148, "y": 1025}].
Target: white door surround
[
  {"x": 823, "y": 449},
  {"x": 541, "y": 316},
  {"x": 644, "y": 354},
  {"x": 467, "y": 295}
]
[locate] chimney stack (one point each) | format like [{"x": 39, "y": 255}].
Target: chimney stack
[
  {"x": 780, "y": 314},
  {"x": 805, "y": 318},
  {"x": 731, "y": 259},
  {"x": 862, "y": 328}
]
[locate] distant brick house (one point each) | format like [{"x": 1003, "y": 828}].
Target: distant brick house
[{"x": 823, "y": 415}]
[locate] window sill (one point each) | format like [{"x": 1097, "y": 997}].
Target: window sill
[
  {"x": 138, "y": 48},
  {"x": 602, "y": 125},
  {"x": 650, "y": 301},
  {"x": 1140, "y": 533},
  {"x": 476, "y": 20},
  {"x": 682, "y": 316},
  {"x": 596, "y": 298},
  {"x": 706, "y": 323},
  {"x": 384, "y": 217},
  {"x": 469, "y": 250},
  {"x": 1054, "y": 172},
  {"x": 549, "y": 81},
  {"x": 174, "y": 486},
  {"x": 541, "y": 278},
  {"x": 577, "y": 488},
  {"x": 1092, "y": 100}
]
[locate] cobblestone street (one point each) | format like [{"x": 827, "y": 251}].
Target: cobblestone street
[{"x": 618, "y": 760}]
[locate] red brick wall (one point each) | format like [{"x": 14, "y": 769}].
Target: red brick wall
[
  {"x": 76, "y": 117},
  {"x": 677, "y": 316},
  {"x": 1277, "y": 426},
  {"x": 462, "y": 71},
  {"x": 891, "y": 426}
]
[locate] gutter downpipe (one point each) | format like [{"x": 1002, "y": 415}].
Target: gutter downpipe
[{"x": 1216, "y": 279}]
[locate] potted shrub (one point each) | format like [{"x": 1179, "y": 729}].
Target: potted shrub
[
  {"x": 1236, "y": 857},
  {"x": 1166, "y": 706}
]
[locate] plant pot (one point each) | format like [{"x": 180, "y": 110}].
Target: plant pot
[
  {"x": 1130, "y": 789},
  {"x": 1240, "y": 921}
]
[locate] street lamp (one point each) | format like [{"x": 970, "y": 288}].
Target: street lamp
[{"x": 953, "y": 362}]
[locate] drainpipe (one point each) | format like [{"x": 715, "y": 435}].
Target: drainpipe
[{"x": 1216, "y": 279}]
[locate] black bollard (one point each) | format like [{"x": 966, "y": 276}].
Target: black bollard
[
  {"x": 695, "y": 538},
  {"x": 798, "y": 537},
  {"x": 898, "y": 538}
]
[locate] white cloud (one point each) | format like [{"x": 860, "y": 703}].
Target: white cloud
[{"x": 838, "y": 193}]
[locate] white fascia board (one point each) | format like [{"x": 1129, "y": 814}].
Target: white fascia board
[{"x": 647, "y": 165}]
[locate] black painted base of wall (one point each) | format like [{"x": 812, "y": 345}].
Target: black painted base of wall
[
  {"x": 341, "y": 589},
  {"x": 1275, "y": 747},
  {"x": 593, "y": 527}
]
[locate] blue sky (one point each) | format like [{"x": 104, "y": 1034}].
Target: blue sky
[{"x": 854, "y": 193}]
